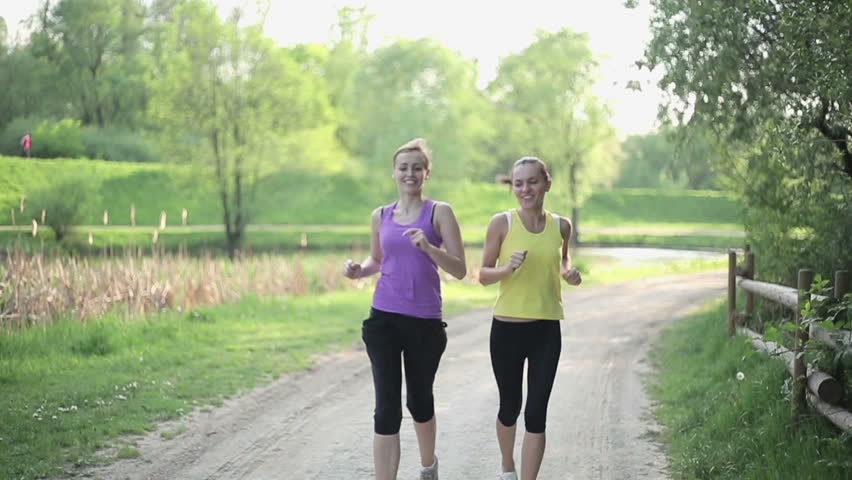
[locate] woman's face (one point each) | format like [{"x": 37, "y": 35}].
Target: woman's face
[
  {"x": 410, "y": 172},
  {"x": 529, "y": 184}
]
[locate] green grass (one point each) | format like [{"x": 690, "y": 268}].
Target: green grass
[
  {"x": 717, "y": 427},
  {"x": 292, "y": 197},
  {"x": 118, "y": 376}
]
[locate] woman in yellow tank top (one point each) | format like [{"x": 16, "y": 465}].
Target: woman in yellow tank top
[{"x": 526, "y": 250}]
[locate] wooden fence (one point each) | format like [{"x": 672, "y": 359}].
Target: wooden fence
[{"x": 819, "y": 389}]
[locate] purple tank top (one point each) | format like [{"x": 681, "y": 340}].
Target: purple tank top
[{"x": 409, "y": 282}]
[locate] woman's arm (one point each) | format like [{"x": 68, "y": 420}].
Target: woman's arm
[
  {"x": 372, "y": 264},
  {"x": 451, "y": 258},
  {"x": 490, "y": 273},
  {"x": 566, "y": 269}
]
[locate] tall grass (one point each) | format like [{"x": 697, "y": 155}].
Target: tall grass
[{"x": 36, "y": 289}]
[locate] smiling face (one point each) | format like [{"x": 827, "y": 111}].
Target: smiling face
[
  {"x": 530, "y": 183},
  {"x": 410, "y": 171}
]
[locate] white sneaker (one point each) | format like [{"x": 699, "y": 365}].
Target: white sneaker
[
  {"x": 509, "y": 476},
  {"x": 430, "y": 473}
]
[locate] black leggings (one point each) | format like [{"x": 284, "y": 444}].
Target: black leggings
[
  {"x": 392, "y": 340},
  {"x": 512, "y": 343}
]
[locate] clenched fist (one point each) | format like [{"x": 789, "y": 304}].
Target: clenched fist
[
  {"x": 418, "y": 239},
  {"x": 572, "y": 276},
  {"x": 351, "y": 269},
  {"x": 517, "y": 260}
]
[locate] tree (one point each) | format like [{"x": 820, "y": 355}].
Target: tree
[
  {"x": 97, "y": 44},
  {"x": 771, "y": 79},
  {"x": 225, "y": 97},
  {"x": 742, "y": 67},
  {"x": 64, "y": 204},
  {"x": 669, "y": 158},
  {"x": 546, "y": 106},
  {"x": 419, "y": 88}
]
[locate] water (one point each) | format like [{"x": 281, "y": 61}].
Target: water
[{"x": 634, "y": 254}]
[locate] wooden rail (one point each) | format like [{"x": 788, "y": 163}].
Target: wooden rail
[{"x": 819, "y": 389}]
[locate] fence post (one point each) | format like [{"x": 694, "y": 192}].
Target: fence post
[
  {"x": 750, "y": 274},
  {"x": 806, "y": 278},
  {"x": 732, "y": 291}
]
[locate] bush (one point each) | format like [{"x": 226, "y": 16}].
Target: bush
[
  {"x": 64, "y": 204},
  {"x": 58, "y": 139},
  {"x": 51, "y": 139},
  {"x": 10, "y": 141},
  {"x": 117, "y": 145}
]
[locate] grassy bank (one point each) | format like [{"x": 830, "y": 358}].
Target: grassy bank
[
  {"x": 719, "y": 427},
  {"x": 70, "y": 389},
  {"x": 311, "y": 198}
]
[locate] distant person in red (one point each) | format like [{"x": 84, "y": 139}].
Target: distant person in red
[{"x": 27, "y": 144}]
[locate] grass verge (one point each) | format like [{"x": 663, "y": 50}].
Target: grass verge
[{"x": 719, "y": 427}]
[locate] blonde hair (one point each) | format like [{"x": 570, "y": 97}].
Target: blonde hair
[
  {"x": 416, "y": 145},
  {"x": 527, "y": 160}
]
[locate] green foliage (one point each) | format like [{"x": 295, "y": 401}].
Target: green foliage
[
  {"x": 226, "y": 97},
  {"x": 773, "y": 84},
  {"x": 64, "y": 204},
  {"x": 546, "y": 108},
  {"x": 51, "y": 139},
  {"x": 58, "y": 139},
  {"x": 10, "y": 141},
  {"x": 97, "y": 45},
  {"x": 670, "y": 158},
  {"x": 419, "y": 88},
  {"x": 117, "y": 144}
]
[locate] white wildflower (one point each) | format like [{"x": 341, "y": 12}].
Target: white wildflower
[{"x": 740, "y": 376}]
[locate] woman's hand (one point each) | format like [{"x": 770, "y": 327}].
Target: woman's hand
[
  {"x": 572, "y": 276},
  {"x": 517, "y": 259},
  {"x": 418, "y": 239},
  {"x": 351, "y": 269}
]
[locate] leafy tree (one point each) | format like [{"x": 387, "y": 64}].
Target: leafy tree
[
  {"x": 546, "y": 108},
  {"x": 669, "y": 158},
  {"x": 771, "y": 79},
  {"x": 419, "y": 88},
  {"x": 64, "y": 204},
  {"x": 225, "y": 97},
  {"x": 739, "y": 66},
  {"x": 97, "y": 45}
]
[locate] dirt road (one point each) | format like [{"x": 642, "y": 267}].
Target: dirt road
[{"x": 317, "y": 424}]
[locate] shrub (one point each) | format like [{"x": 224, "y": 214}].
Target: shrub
[
  {"x": 64, "y": 204},
  {"x": 10, "y": 141},
  {"x": 51, "y": 139},
  {"x": 117, "y": 145}
]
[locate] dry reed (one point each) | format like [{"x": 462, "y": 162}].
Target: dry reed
[{"x": 35, "y": 289}]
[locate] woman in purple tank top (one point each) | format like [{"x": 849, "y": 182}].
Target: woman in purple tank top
[{"x": 411, "y": 238}]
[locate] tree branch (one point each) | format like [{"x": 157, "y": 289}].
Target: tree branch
[{"x": 838, "y": 135}]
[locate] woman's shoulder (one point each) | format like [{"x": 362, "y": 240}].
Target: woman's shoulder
[{"x": 564, "y": 223}]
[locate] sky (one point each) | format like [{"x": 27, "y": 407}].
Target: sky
[{"x": 482, "y": 30}]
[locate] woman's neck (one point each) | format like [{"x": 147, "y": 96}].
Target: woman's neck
[
  {"x": 532, "y": 217},
  {"x": 408, "y": 203}
]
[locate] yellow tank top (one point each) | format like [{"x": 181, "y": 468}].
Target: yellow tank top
[{"x": 534, "y": 290}]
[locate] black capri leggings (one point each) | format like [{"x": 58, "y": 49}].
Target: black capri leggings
[
  {"x": 512, "y": 343},
  {"x": 392, "y": 340}
]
